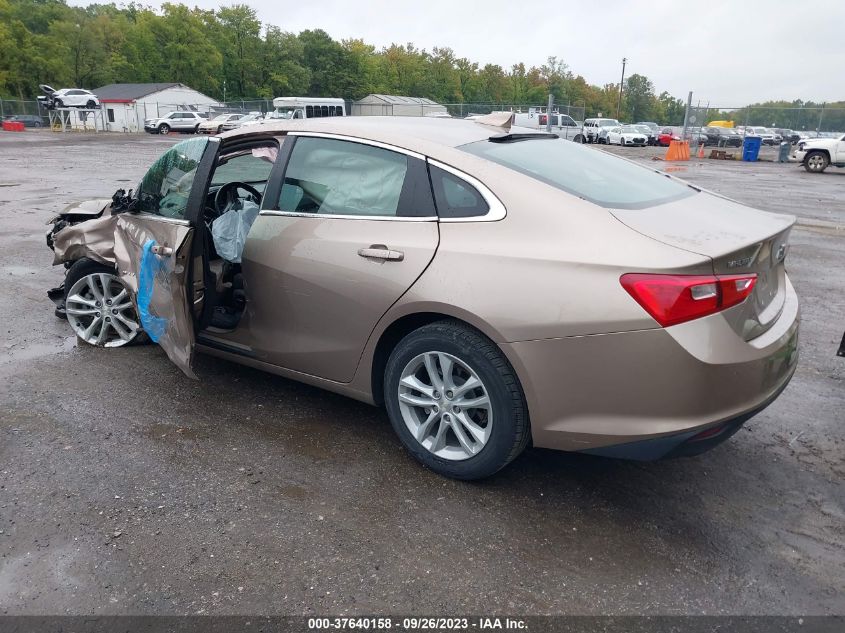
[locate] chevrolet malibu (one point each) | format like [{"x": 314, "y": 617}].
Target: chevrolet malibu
[{"x": 491, "y": 287}]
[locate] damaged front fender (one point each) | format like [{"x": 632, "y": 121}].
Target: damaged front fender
[{"x": 135, "y": 245}]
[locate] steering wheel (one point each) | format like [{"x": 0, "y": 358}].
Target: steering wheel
[{"x": 227, "y": 196}]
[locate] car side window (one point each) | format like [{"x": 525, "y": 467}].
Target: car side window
[
  {"x": 166, "y": 186},
  {"x": 334, "y": 177},
  {"x": 454, "y": 197}
]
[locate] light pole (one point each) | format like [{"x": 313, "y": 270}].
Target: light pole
[{"x": 621, "y": 83}]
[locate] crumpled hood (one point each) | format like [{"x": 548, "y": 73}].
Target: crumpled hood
[{"x": 86, "y": 207}]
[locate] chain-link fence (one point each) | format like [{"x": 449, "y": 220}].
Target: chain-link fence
[
  {"x": 796, "y": 121},
  {"x": 773, "y": 125}
]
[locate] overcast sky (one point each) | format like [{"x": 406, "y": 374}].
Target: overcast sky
[{"x": 728, "y": 52}]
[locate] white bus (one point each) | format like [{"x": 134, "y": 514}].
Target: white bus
[{"x": 306, "y": 108}]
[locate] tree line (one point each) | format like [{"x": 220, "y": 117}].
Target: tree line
[{"x": 230, "y": 54}]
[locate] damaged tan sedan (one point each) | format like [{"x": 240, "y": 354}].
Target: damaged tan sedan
[{"x": 491, "y": 287}]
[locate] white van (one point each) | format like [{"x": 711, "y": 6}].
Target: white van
[
  {"x": 596, "y": 129},
  {"x": 306, "y": 108}
]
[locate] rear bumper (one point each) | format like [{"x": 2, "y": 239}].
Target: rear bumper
[{"x": 608, "y": 394}]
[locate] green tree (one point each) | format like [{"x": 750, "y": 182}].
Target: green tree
[
  {"x": 638, "y": 98},
  {"x": 283, "y": 67},
  {"x": 240, "y": 47}
]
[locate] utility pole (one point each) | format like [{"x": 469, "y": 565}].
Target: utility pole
[
  {"x": 621, "y": 83},
  {"x": 549, "y": 113}
]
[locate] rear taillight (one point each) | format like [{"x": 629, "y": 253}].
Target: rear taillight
[{"x": 673, "y": 299}]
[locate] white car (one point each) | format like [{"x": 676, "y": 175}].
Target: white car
[
  {"x": 215, "y": 125},
  {"x": 68, "y": 98},
  {"x": 253, "y": 118},
  {"x": 767, "y": 136},
  {"x": 818, "y": 153},
  {"x": 626, "y": 135},
  {"x": 177, "y": 121}
]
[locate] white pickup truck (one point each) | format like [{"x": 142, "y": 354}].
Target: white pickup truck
[{"x": 817, "y": 154}]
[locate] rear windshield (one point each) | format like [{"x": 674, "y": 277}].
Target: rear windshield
[{"x": 588, "y": 173}]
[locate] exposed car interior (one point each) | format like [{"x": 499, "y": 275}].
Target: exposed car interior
[{"x": 234, "y": 196}]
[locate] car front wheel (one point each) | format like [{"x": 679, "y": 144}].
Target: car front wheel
[
  {"x": 816, "y": 162},
  {"x": 455, "y": 401},
  {"x": 164, "y": 129},
  {"x": 98, "y": 306}
]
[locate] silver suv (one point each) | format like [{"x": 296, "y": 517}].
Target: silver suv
[{"x": 179, "y": 121}]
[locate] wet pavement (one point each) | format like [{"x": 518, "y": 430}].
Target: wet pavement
[{"x": 127, "y": 488}]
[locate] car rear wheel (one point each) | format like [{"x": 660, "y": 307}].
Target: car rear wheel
[
  {"x": 816, "y": 162},
  {"x": 455, "y": 401},
  {"x": 164, "y": 129},
  {"x": 98, "y": 306}
]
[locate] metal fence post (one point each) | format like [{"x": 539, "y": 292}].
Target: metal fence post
[{"x": 686, "y": 115}]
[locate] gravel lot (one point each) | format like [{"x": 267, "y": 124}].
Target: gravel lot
[{"x": 126, "y": 488}]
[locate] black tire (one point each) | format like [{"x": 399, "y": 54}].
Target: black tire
[
  {"x": 90, "y": 105},
  {"x": 816, "y": 162},
  {"x": 511, "y": 430},
  {"x": 197, "y": 129},
  {"x": 83, "y": 267},
  {"x": 219, "y": 129},
  {"x": 164, "y": 129},
  {"x": 58, "y": 103}
]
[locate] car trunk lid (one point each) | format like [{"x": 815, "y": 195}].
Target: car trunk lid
[{"x": 737, "y": 239}]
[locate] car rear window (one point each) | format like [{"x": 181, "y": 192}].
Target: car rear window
[{"x": 590, "y": 174}]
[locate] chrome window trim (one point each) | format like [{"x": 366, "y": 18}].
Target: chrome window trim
[
  {"x": 337, "y": 216},
  {"x": 357, "y": 139},
  {"x": 162, "y": 218},
  {"x": 497, "y": 210}
]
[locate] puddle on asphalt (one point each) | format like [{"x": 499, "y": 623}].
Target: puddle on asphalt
[
  {"x": 19, "y": 271},
  {"x": 36, "y": 350}
]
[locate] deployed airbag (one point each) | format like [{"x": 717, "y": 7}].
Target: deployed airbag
[{"x": 229, "y": 231}]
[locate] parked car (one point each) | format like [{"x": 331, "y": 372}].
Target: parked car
[
  {"x": 626, "y": 135},
  {"x": 596, "y": 129},
  {"x": 67, "y": 98},
  {"x": 28, "y": 120},
  {"x": 791, "y": 136},
  {"x": 339, "y": 255},
  {"x": 185, "y": 121},
  {"x": 215, "y": 125},
  {"x": 650, "y": 125},
  {"x": 666, "y": 135},
  {"x": 650, "y": 134},
  {"x": 767, "y": 136},
  {"x": 247, "y": 119},
  {"x": 818, "y": 154},
  {"x": 721, "y": 137}
]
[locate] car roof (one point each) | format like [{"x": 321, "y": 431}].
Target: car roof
[{"x": 421, "y": 134}]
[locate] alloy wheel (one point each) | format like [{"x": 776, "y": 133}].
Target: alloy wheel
[
  {"x": 816, "y": 162},
  {"x": 101, "y": 312},
  {"x": 445, "y": 406}
]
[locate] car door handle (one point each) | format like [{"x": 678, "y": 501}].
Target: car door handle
[{"x": 380, "y": 251}]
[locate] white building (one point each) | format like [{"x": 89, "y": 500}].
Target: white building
[
  {"x": 393, "y": 105},
  {"x": 127, "y": 105}
]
